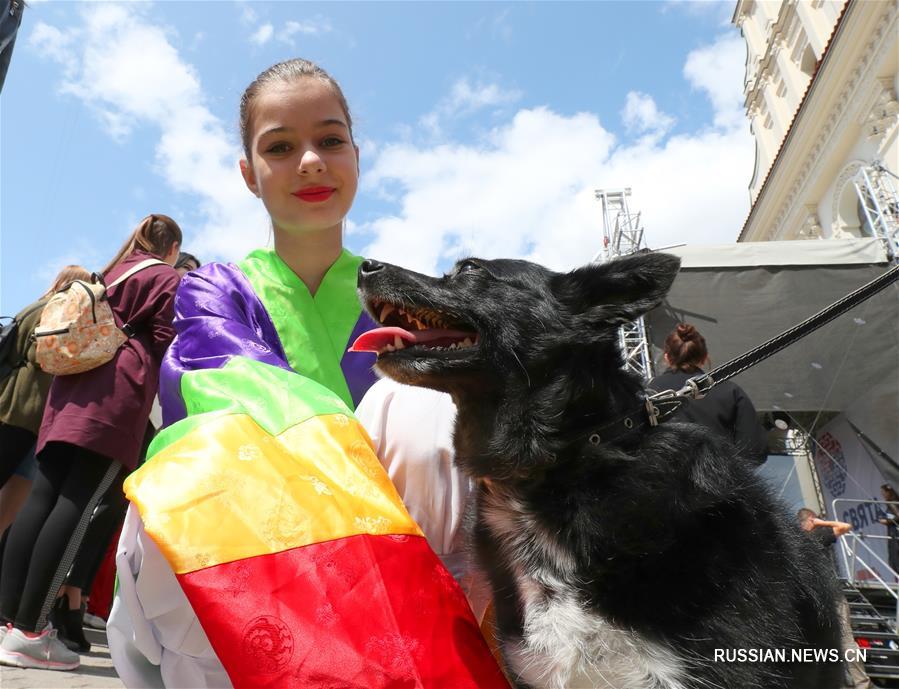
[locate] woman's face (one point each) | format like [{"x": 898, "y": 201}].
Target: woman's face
[
  {"x": 186, "y": 268},
  {"x": 304, "y": 165}
]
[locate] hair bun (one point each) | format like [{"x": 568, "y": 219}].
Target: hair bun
[{"x": 686, "y": 332}]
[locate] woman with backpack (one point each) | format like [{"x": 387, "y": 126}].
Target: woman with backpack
[
  {"x": 23, "y": 385},
  {"x": 93, "y": 425}
]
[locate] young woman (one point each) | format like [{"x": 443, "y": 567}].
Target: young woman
[
  {"x": 23, "y": 391},
  {"x": 265, "y": 545},
  {"x": 727, "y": 409},
  {"x": 93, "y": 425}
]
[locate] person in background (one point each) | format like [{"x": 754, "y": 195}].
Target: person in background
[
  {"x": 186, "y": 262},
  {"x": 826, "y": 533},
  {"x": 24, "y": 390},
  {"x": 891, "y": 521},
  {"x": 726, "y": 409},
  {"x": 93, "y": 425}
]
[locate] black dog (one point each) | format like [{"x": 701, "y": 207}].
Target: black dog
[{"x": 654, "y": 561}]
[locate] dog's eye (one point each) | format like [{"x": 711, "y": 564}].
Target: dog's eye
[{"x": 467, "y": 267}]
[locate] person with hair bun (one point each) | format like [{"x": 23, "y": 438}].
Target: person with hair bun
[
  {"x": 92, "y": 429},
  {"x": 726, "y": 409}
]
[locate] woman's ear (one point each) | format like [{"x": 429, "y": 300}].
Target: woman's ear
[
  {"x": 172, "y": 256},
  {"x": 249, "y": 176}
]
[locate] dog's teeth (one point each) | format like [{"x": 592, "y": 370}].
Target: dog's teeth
[
  {"x": 389, "y": 348},
  {"x": 386, "y": 311},
  {"x": 452, "y": 346},
  {"x": 397, "y": 343},
  {"x": 467, "y": 342}
]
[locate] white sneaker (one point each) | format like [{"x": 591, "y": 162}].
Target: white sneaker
[
  {"x": 45, "y": 651},
  {"x": 94, "y": 621}
]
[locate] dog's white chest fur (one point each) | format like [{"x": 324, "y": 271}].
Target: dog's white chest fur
[{"x": 564, "y": 645}]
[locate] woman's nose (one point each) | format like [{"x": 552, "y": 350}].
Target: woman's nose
[
  {"x": 370, "y": 266},
  {"x": 310, "y": 163}
]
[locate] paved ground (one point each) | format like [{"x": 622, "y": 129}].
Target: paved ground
[{"x": 96, "y": 671}]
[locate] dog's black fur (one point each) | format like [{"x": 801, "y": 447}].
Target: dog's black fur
[{"x": 662, "y": 546}]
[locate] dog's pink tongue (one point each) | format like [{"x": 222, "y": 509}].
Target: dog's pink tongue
[{"x": 377, "y": 339}]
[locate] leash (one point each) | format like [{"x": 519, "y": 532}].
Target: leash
[{"x": 662, "y": 405}]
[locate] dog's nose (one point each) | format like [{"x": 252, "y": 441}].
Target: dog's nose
[{"x": 369, "y": 266}]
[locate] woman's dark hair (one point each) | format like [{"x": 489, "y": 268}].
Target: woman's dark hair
[
  {"x": 184, "y": 258},
  {"x": 155, "y": 234},
  {"x": 287, "y": 71},
  {"x": 685, "y": 348}
]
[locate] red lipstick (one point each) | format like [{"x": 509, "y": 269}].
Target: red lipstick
[{"x": 314, "y": 194}]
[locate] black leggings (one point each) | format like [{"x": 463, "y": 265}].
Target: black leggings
[
  {"x": 47, "y": 533},
  {"x": 107, "y": 519},
  {"x": 15, "y": 443}
]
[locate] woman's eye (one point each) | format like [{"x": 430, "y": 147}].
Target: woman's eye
[
  {"x": 332, "y": 141},
  {"x": 280, "y": 147}
]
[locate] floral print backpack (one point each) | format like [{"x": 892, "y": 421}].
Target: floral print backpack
[{"x": 78, "y": 331}]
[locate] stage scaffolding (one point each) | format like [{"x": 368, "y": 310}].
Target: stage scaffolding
[{"x": 622, "y": 235}]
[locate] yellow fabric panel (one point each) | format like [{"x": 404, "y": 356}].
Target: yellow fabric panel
[{"x": 229, "y": 491}]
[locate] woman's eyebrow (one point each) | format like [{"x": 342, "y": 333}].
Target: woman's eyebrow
[{"x": 319, "y": 125}]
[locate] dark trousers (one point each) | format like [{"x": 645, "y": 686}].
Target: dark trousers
[
  {"x": 106, "y": 520},
  {"x": 48, "y": 532},
  {"x": 15, "y": 443}
]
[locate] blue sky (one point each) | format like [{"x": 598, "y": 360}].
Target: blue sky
[{"x": 484, "y": 127}]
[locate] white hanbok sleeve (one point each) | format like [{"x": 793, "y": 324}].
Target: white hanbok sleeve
[
  {"x": 412, "y": 429},
  {"x": 155, "y": 639}
]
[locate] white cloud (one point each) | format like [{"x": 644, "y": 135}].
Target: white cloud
[
  {"x": 642, "y": 115},
  {"x": 128, "y": 71},
  {"x": 527, "y": 190},
  {"x": 247, "y": 13},
  {"x": 463, "y": 100},
  {"x": 263, "y": 34},
  {"x": 718, "y": 70},
  {"x": 51, "y": 42},
  {"x": 306, "y": 28}
]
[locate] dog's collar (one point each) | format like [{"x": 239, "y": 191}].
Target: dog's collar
[{"x": 655, "y": 409}]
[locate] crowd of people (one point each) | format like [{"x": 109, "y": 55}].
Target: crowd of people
[{"x": 217, "y": 343}]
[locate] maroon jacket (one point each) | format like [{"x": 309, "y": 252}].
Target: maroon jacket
[{"x": 106, "y": 409}]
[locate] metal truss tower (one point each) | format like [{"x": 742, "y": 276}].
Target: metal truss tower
[
  {"x": 880, "y": 204},
  {"x": 623, "y": 235}
]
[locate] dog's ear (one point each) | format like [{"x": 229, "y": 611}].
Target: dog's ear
[{"x": 620, "y": 290}]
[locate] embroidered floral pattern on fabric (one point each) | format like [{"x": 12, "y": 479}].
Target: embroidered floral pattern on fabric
[
  {"x": 286, "y": 526},
  {"x": 320, "y": 486},
  {"x": 392, "y": 652},
  {"x": 267, "y": 644},
  {"x": 326, "y": 616},
  {"x": 373, "y": 525},
  {"x": 249, "y": 453}
]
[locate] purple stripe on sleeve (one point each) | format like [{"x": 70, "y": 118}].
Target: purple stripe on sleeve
[
  {"x": 357, "y": 366},
  {"x": 217, "y": 316}
]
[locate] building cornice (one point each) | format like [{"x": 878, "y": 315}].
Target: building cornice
[
  {"x": 800, "y": 111},
  {"x": 860, "y": 39}
]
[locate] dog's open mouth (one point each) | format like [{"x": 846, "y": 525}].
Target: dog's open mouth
[{"x": 418, "y": 330}]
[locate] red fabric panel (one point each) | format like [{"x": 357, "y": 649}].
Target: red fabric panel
[
  {"x": 364, "y": 612},
  {"x": 104, "y": 583}
]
